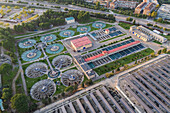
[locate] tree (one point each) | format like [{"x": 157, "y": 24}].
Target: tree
[
  {"x": 160, "y": 20},
  {"x": 97, "y": 5},
  {"x": 159, "y": 52},
  {"x": 20, "y": 103},
  {"x": 153, "y": 14},
  {"x": 82, "y": 84},
  {"x": 152, "y": 54},
  {"x": 157, "y": 6},
  {"x": 75, "y": 87},
  {"x": 8, "y": 7},
  {"x": 118, "y": 69},
  {"x": 134, "y": 22},
  {"x": 5, "y": 69},
  {"x": 69, "y": 89},
  {"x": 16, "y": 7},
  {"x": 149, "y": 14},
  {"x": 107, "y": 75},
  {"x": 127, "y": 19},
  {"x": 88, "y": 82},
  {"x": 44, "y": 101},
  {"x": 164, "y": 28},
  {"x": 65, "y": 9},
  {"x": 3, "y": 6},
  {"x": 6, "y": 94},
  {"x": 164, "y": 50}
]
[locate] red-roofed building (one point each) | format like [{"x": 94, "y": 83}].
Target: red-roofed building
[
  {"x": 81, "y": 43},
  {"x": 107, "y": 31}
]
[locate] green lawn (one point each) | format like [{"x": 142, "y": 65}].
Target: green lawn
[
  {"x": 23, "y": 34},
  {"x": 168, "y": 37},
  {"x": 31, "y": 81},
  {"x": 75, "y": 31},
  {"x": 19, "y": 85},
  {"x": 70, "y": 69},
  {"x": 90, "y": 20},
  {"x": 99, "y": 80},
  {"x": 157, "y": 42},
  {"x": 107, "y": 26},
  {"x": 121, "y": 62},
  {"x": 7, "y": 79},
  {"x": 125, "y": 25}
]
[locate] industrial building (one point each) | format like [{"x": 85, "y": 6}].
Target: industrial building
[
  {"x": 123, "y": 4},
  {"x": 149, "y": 8},
  {"x": 140, "y": 7},
  {"x": 146, "y": 34},
  {"x": 81, "y": 43},
  {"x": 164, "y": 11},
  {"x": 70, "y": 20},
  {"x": 147, "y": 86}
]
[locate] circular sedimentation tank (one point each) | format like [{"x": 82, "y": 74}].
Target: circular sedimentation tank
[
  {"x": 48, "y": 38},
  {"x": 54, "y": 48},
  {"x": 55, "y": 73},
  {"x": 43, "y": 89},
  {"x": 72, "y": 77},
  {"x": 67, "y": 33},
  {"x": 98, "y": 25},
  {"x": 31, "y": 55},
  {"x": 27, "y": 43},
  {"x": 36, "y": 70},
  {"x": 62, "y": 61},
  {"x": 84, "y": 29}
]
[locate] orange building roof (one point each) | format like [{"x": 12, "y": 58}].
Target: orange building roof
[
  {"x": 111, "y": 51},
  {"x": 81, "y": 41}
]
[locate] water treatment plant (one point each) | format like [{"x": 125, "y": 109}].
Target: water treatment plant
[{"x": 84, "y": 56}]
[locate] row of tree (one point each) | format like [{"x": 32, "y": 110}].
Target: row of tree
[{"x": 51, "y": 18}]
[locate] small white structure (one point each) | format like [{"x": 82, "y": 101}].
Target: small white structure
[
  {"x": 70, "y": 20},
  {"x": 156, "y": 31}
]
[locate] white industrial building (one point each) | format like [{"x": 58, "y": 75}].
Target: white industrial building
[
  {"x": 146, "y": 34},
  {"x": 164, "y": 11}
]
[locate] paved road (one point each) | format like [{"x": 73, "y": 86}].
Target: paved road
[
  {"x": 22, "y": 72},
  {"x": 118, "y": 17},
  {"x": 46, "y": 57},
  {"x": 13, "y": 82}
]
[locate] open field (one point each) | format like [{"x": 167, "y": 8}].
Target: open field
[{"x": 125, "y": 25}]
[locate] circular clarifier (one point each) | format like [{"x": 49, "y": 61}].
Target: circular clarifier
[
  {"x": 72, "y": 77},
  {"x": 27, "y": 43},
  {"x": 31, "y": 55},
  {"x": 98, "y": 25},
  {"x": 66, "y": 33},
  {"x": 43, "y": 89},
  {"x": 83, "y": 29},
  {"x": 36, "y": 70},
  {"x": 54, "y": 48},
  {"x": 55, "y": 73},
  {"x": 48, "y": 38},
  {"x": 62, "y": 61}
]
